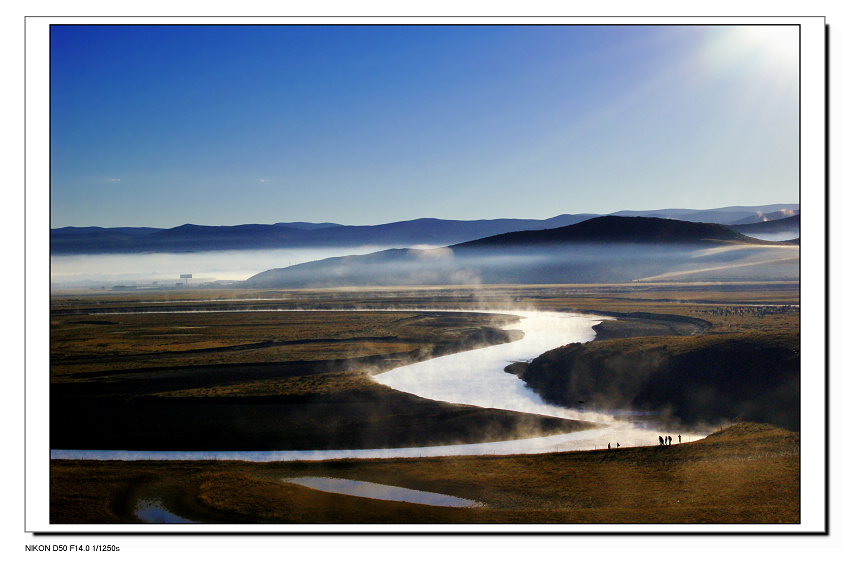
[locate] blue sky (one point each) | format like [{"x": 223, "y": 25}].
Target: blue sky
[{"x": 221, "y": 125}]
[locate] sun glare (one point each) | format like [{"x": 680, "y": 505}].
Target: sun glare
[
  {"x": 772, "y": 49},
  {"x": 776, "y": 42}
]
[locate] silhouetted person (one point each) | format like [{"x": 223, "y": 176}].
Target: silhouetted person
[
  {"x": 618, "y": 445},
  {"x": 609, "y": 446},
  {"x": 661, "y": 440},
  {"x": 680, "y": 438},
  {"x": 669, "y": 440}
]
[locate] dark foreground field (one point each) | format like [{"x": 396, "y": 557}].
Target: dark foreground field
[{"x": 746, "y": 474}]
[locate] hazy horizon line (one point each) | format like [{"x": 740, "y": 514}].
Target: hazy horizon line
[{"x": 656, "y": 210}]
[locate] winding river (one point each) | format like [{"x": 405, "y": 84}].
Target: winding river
[{"x": 476, "y": 378}]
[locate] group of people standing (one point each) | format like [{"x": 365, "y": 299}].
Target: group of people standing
[{"x": 662, "y": 440}]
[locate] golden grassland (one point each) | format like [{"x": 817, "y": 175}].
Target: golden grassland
[
  {"x": 89, "y": 341},
  {"x": 746, "y": 474},
  {"x": 729, "y": 307}
]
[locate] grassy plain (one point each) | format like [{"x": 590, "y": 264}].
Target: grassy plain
[
  {"x": 119, "y": 378},
  {"x": 746, "y": 474}
]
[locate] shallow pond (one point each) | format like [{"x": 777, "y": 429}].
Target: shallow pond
[
  {"x": 151, "y": 511},
  {"x": 383, "y": 492}
]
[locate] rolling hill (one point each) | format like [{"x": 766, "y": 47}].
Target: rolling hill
[
  {"x": 619, "y": 230},
  {"x": 602, "y": 249}
]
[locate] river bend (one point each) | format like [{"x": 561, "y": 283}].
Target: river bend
[{"x": 476, "y": 378}]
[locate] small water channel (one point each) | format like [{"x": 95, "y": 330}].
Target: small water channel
[
  {"x": 152, "y": 511},
  {"x": 383, "y": 492}
]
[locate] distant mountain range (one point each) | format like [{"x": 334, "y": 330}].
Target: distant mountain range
[
  {"x": 601, "y": 249},
  {"x": 423, "y": 231},
  {"x": 764, "y": 218},
  {"x": 729, "y": 215}
]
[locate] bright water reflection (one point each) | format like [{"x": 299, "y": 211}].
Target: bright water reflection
[
  {"x": 478, "y": 377},
  {"x": 383, "y": 492},
  {"x": 575, "y": 441}
]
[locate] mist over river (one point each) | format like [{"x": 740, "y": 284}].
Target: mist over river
[
  {"x": 69, "y": 272},
  {"x": 474, "y": 377}
]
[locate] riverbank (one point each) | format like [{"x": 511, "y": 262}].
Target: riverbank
[
  {"x": 645, "y": 324},
  {"x": 621, "y": 325},
  {"x": 746, "y": 474},
  {"x": 184, "y": 380},
  {"x": 690, "y": 379}
]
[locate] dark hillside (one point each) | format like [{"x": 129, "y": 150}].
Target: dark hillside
[
  {"x": 618, "y": 229},
  {"x": 694, "y": 379}
]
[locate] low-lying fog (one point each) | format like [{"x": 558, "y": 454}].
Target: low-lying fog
[
  {"x": 779, "y": 236},
  {"x": 352, "y": 266},
  {"x": 541, "y": 264},
  {"x": 164, "y": 269}
]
